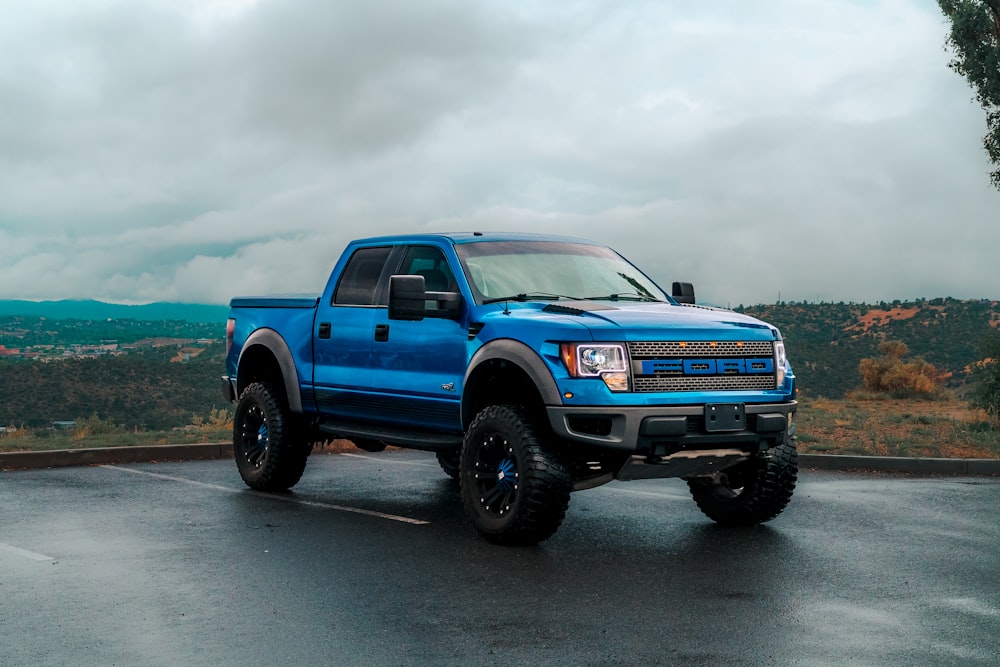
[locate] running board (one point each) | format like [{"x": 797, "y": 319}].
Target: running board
[
  {"x": 399, "y": 437},
  {"x": 680, "y": 464}
]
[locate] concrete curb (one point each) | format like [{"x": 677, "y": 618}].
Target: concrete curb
[
  {"x": 223, "y": 450},
  {"x": 84, "y": 457},
  {"x": 899, "y": 464}
]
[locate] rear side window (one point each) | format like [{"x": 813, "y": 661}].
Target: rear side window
[{"x": 360, "y": 278}]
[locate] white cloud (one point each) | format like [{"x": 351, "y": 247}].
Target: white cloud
[{"x": 156, "y": 150}]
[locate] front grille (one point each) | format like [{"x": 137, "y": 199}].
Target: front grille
[
  {"x": 675, "y": 370},
  {"x": 705, "y": 383},
  {"x": 700, "y": 348}
]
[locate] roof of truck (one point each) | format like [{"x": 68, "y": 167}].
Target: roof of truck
[{"x": 474, "y": 237}]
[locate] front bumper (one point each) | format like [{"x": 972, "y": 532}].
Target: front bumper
[{"x": 666, "y": 430}]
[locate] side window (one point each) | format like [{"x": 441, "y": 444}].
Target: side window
[
  {"x": 360, "y": 278},
  {"x": 430, "y": 263}
]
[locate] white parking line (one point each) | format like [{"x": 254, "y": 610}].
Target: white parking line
[
  {"x": 24, "y": 553},
  {"x": 638, "y": 492},
  {"x": 382, "y": 459},
  {"x": 286, "y": 499}
]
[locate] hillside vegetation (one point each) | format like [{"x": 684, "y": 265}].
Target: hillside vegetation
[
  {"x": 827, "y": 341},
  {"x": 141, "y": 391},
  {"x": 124, "y": 380},
  {"x": 136, "y": 374}
]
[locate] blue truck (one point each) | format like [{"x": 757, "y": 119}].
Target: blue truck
[{"x": 532, "y": 365}]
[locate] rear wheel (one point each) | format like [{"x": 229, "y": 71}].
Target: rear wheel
[
  {"x": 449, "y": 460},
  {"x": 270, "y": 450},
  {"x": 514, "y": 489},
  {"x": 751, "y": 492}
]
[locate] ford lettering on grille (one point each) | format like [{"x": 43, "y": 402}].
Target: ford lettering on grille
[{"x": 708, "y": 366}]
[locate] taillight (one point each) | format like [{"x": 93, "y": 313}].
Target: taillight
[{"x": 230, "y": 329}]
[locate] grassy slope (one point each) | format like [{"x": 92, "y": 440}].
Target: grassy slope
[{"x": 890, "y": 427}]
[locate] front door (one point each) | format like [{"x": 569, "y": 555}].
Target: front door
[{"x": 418, "y": 367}]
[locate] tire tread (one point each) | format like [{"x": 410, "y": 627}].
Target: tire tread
[
  {"x": 772, "y": 486},
  {"x": 544, "y": 490},
  {"x": 286, "y": 457}
]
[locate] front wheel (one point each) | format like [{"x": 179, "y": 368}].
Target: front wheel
[
  {"x": 270, "y": 452},
  {"x": 751, "y": 492},
  {"x": 514, "y": 489}
]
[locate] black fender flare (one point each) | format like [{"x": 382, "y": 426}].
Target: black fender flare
[
  {"x": 276, "y": 345},
  {"x": 527, "y": 359}
]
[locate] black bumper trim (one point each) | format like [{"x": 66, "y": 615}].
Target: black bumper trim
[{"x": 639, "y": 428}]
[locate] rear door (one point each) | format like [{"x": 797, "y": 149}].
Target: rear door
[{"x": 344, "y": 336}]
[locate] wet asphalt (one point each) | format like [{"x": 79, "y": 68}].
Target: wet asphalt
[{"x": 371, "y": 562}]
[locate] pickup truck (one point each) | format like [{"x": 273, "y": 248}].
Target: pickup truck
[{"x": 532, "y": 365}]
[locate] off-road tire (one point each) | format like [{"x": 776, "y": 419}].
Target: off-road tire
[
  {"x": 450, "y": 460},
  {"x": 270, "y": 448},
  {"x": 751, "y": 492},
  {"x": 514, "y": 489}
]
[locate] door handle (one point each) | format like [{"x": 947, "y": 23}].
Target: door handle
[
  {"x": 324, "y": 329},
  {"x": 381, "y": 333}
]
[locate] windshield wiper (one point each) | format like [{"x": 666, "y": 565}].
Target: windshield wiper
[
  {"x": 626, "y": 296},
  {"x": 530, "y": 296}
]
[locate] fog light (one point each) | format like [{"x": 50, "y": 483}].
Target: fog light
[{"x": 616, "y": 381}]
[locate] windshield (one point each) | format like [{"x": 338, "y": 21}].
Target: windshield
[{"x": 549, "y": 269}]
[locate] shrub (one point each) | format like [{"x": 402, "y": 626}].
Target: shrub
[
  {"x": 219, "y": 420},
  {"x": 986, "y": 376},
  {"x": 94, "y": 425},
  {"x": 889, "y": 374}
]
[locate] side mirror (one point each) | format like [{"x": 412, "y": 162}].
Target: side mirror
[
  {"x": 407, "y": 295},
  {"x": 683, "y": 292},
  {"x": 410, "y": 300},
  {"x": 444, "y": 304}
]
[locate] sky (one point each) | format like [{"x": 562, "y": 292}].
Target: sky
[{"x": 196, "y": 150}]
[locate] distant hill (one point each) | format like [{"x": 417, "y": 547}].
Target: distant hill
[
  {"x": 143, "y": 390},
  {"x": 98, "y": 310},
  {"x": 826, "y": 341}
]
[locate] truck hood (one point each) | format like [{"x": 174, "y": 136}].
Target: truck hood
[{"x": 648, "y": 321}]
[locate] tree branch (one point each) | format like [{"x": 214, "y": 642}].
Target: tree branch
[{"x": 994, "y": 6}]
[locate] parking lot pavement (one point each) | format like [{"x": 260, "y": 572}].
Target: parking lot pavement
[{"x": 370, "y": 561}]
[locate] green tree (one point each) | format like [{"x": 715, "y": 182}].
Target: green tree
[
  {"x": 986, "y": 375},
  {"x": 975, "y": 41}
]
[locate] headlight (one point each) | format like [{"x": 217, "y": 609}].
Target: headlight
[
  {"x": 602, "y": 360},
  {"x": 780, "y": 361}
]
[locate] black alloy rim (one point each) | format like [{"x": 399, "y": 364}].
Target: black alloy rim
[{"x": 496, "y": 475}]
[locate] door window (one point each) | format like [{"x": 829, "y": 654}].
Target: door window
[
  {"x": 359, "y": 280},
  {"x": 430, "y": 263}
]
